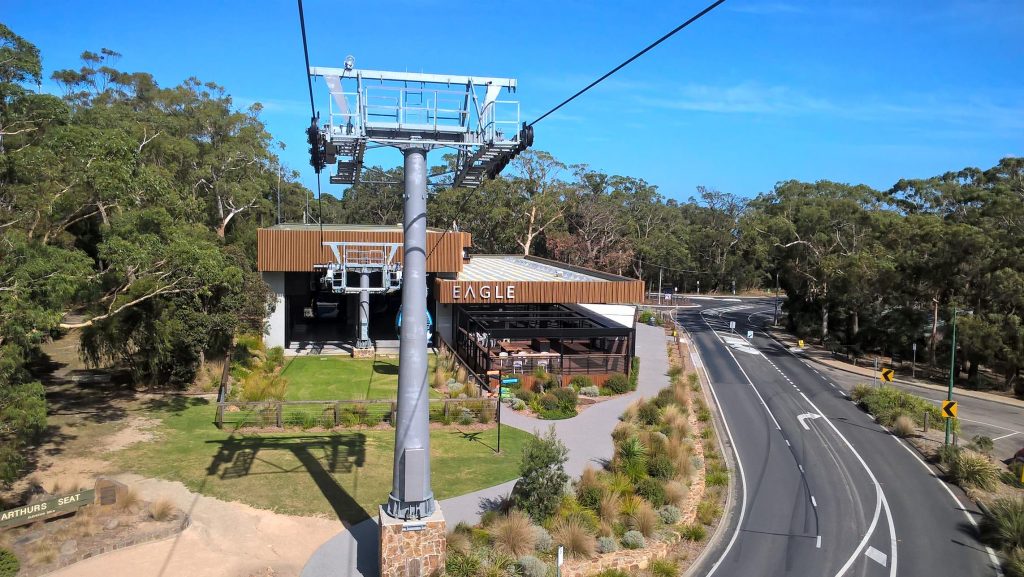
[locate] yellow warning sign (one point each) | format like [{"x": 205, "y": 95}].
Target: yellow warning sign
[
  {"x": 888, "y": 375},
  {"x": 948, "y": 409},
  {"x": 800, "y": 343}
]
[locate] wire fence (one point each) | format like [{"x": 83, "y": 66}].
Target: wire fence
[{"x": 348, "y": 413}]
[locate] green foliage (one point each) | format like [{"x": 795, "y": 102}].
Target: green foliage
[
  {"x": 634, "y": 373},
  {"x": 982, "y": 444},
  {"x": 695, "y": 532},
  {"x": 707, "y": 511},
  {"x": 591, "y": 391},
  {"x": 459, "y": 564},
  {"x": 652, "y": 490},
  {"x": 542, "y": 476},
  {"x": 607, "y": 545},
  {"x": 970, "y": 469},
  {"x": 1003, "y": 524},
  {"x": 617, "y": 384},
  {"x": 9, "y": 564},
  {"x": 590, "y": 496},
  {"x": 530, "y": 566},
  {"x": 663, "y": 568},
  {"x": 581, "y": 381},
  {"x": 648, "y": 413},
  {"x": 669, "y": 514},
  {"x": 660, "y": 466},
  {"x": 887, "y": 404},
  {"x": 633, "y": 540},
  {"x": 612, "y": 573}
]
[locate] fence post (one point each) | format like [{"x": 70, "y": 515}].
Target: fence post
[
  {"x": 280, "y": 414},
  {"x": 447, "y": 404},
  {"x": 926, "y": 415},
  {"x": 220, "y": 415},
  {"x": 337, "y": 414},
  {"x": 394, "y": 411},
  {"x": 956, "y": 440}
]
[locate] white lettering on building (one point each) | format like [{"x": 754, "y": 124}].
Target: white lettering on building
[{"x": 486, "y": 292}]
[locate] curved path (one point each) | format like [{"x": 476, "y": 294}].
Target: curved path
[{"x": 587, "y": 436}]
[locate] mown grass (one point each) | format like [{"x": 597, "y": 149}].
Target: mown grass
[
  {"x": 336, "y": 474},
  {"x": 341, "y": 378}
]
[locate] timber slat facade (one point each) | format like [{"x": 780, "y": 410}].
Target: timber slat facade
[
  {"x": 291, "y": 250},
  {"x": 486, "y": 292}
]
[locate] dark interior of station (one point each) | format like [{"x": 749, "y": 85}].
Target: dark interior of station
[{"x": 315, "y": 314}]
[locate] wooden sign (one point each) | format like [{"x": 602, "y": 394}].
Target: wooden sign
[{"x": 46, "y": 509}]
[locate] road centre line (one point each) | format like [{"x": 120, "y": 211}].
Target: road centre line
[
  {"x": 880, "y": 500},
  {"x": 1005, "y": 436}
]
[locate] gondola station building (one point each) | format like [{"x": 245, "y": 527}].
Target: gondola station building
[{"x": 338, "y": 289}]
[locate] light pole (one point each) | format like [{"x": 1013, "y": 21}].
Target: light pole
[{"x": 952, "y": 374}]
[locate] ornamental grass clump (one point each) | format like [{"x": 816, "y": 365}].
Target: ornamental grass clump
[
  {"x": 663, "y": 568},
  {"x": 1003, "y": 524},
  {"x": 644, "y": 519},
  {"x": 676, "y": 493},
  {"x": 609, "y": 507},
  {"x": 575, "y": 536},
  {"x": 513, "y": 534},
  {"x": 970, "y": 469}
]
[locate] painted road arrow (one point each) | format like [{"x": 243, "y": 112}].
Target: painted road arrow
[{"x": 803, "y": 419}]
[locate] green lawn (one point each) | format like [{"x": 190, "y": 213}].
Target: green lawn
[
  {"x": 340, "y": 378},
  {"x": 343, "y": 474}
]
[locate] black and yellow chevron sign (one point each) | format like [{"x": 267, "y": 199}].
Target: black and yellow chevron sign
[
  {"x": 948, "y": 409},
  {"x": 888, "y": 375}
]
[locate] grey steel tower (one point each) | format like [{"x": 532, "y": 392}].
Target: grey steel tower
[{"x": 416, "y": 112}]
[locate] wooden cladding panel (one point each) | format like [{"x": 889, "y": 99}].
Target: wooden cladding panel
[
  {"x": 298, "y": 250},
  {"x": 593, "y": 292}
]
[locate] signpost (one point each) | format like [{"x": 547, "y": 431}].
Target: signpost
[
  {"x": 913, "y": 363},
  {"x": 750, "y": 335},
  {"x": 949, "y": 409},
  {"x": 49, "y": 508},
  {"x": 888, "y": 375},
  {"x": 800, "y": 343},
  {"x": 732, "y": 326}
]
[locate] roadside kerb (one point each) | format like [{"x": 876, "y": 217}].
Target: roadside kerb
[
  {"x": 789, "y": 341},
  {"x": 727, "y": 515}
]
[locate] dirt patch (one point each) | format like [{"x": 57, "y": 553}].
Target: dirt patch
[
  {"x": 136, "y": 430},
  {"x": 225, "y": 539}
]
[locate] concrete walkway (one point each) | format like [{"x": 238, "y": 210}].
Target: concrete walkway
[{"x": 587, "y": 436}]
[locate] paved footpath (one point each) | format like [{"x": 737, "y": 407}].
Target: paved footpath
[{"x": 587, "y": 436}]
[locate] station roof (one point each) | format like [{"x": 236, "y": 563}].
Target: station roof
[
  {"x": 344, "y": 227},
  {"x": 519, "y": 268}
]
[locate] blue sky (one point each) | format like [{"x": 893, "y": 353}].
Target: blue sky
[{"x": 757, "y": 92}]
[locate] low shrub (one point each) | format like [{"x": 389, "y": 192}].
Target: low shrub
[
  {"x": 648, "y": 414},
  {"x": 663, "y": 568},
  {"x": 972, "y": 469},
  {"x": 670, "y": 514},
  {"x": 665, "y": 398},
  {"x": 575, "y": 536},
  {"x": 530, "y": 566},
  {"x": 466, "y": 564},
  {"x": 694, "y": 381},
  {"x": 703, "y": 414},
  {"x": 903, "y": 426},
  {"x": 633, "y": 540},
  {"x": 513, "y": 534},
  {"x": 644, "y": 519},
  {"x": 661, "y": 467},
  {"x": 566, "y": 396},
  {"x": 1003, "y": 524},
  {"x": 676, "y": 493},
  {"x": 161, "y": 510},
  {"x": 589, "y": 496},
  {"x": 618, "y": 384},
  {"x": 466, "y": 418},
  {"x": 581, "y": 382},
  {"x": 887, "y": 404},
  {"x": 526, "y": 395},
  {"x": 708, "y": 511},
  {"x": 634, "y": 373},
  {"x": 612, "y": 573},
  {"x": 652, "y": 490},
  {"x": 542, "y": 540},
  {"x": 591, "y": 391},
  {"x": 695, "y": 532},
  {"x": 607, "y": 545},
  {"x": 717, "y": 475},
  {"x": 9, "y": 564},
  {"x": 982, "y": 444},
  {"x": 517, "y": 404},
  {"x": 542, "y": 476}
]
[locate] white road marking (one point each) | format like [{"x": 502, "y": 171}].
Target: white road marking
[
  {"x": 1004, "y": 436},
  {"x": 877, "y": 556},
  {"x": 801, "y": 468},
  {"x": 813, "y": 502},
  {"x": 804, "y": 417},
  {"x": 739, "y": 465},
  {"x": 819, "y": 542},
  {"x": 696, "y": 360},
  {"x": 787, "y": 443},
  {"x": 991, "y": 554}
]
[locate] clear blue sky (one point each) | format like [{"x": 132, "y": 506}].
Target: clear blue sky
[{"x": 757, "y": 92}]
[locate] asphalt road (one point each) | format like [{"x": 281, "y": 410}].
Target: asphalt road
[{"x": 823, "y": 490}]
